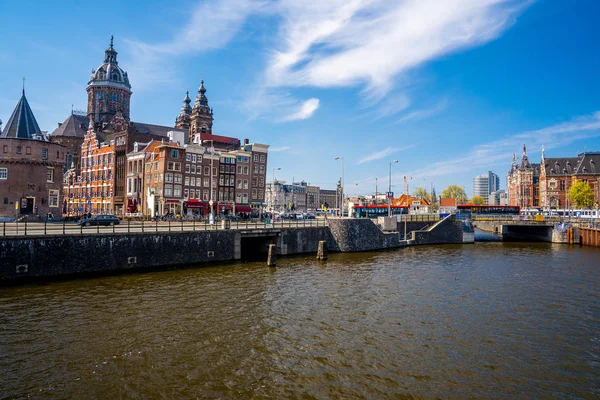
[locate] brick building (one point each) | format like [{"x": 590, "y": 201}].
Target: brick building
[
  {"x": 523, "y": 182},
  {"x": 31, "y": 167}
]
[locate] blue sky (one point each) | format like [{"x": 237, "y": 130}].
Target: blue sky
[{"x": 449, "y": 88}]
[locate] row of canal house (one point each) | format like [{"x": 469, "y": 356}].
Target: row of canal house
[{"x": 118, "y": 166}]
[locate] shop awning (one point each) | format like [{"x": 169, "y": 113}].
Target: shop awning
[
  {"x": 172, "y": 201},
  {"x": 241, "y": 208},
  {"x": 194, "y": 204}
]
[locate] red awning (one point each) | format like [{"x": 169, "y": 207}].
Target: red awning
[
  {"x": 172, "y": 201},
  {"x": 240, "y": 208},
  {"x": 194, "y": 204}
]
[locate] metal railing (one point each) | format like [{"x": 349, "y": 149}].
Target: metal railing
[
  {"x": 13, "y": 229},
  {"x": 419, "y": 217}
]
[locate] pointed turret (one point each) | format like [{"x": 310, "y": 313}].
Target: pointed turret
[
  {"x": 201, "y": 99},
  {"x": 22, "y": 123},
  {"x": 186, "y": 109}
]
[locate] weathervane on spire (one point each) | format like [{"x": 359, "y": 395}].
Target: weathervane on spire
[
  {"x": 23, "y": 85},
  {"x": 111, "y": 40}
]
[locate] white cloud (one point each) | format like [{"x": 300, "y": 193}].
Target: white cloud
[
  {"x": 211, "y": 26},
  {"x": 340, "y": 43},
  {"x": 500, "y": 151},
  {"x": 276, "y": 149},
  {"x": 307, "y": 109},
  {"x": 383, "y": 153},
  {"x": 424, "y": 113}
]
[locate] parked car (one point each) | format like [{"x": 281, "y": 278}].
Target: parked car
[
  {"x": 107, "y": 220},
  {"x": 310, "y": 216}
]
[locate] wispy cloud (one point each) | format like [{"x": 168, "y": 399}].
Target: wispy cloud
[
  {"x": 276, "y": 149},
  {"x": 383, "y": 153},
  {"x": 211, "y": 25},
  {"x": 485, "y": 155},
  {"x": 339, "y": 43},
  {"x": 423, "y": 113},
  {"x": 307, "y": 109}
]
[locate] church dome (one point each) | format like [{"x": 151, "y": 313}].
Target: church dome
[{"x": 109, "y": 73}]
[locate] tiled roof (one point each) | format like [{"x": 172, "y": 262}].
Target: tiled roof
[
  {"x": 560, "y": 166},
  {"x": 75, "y": 126},
  {"x": 589, "y": 163},
  {"x": 22, "y": 123},
  {"x": 153, "y": 129}
]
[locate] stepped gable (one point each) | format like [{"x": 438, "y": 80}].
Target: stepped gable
[{"x": 22, "y": 123}]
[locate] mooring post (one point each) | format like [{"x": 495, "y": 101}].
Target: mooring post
[
  {"x": 272, "y": 257},
  {"x": 322, "y": 251}
]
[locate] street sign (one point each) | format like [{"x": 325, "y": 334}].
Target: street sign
[{"x": 390, "y": 195}]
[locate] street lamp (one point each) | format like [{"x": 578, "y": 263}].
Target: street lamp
[
  {"x": 342, "y": 194},
  {"x": 389, "y": 200},
  {"x": 273, "y": 189},
  {"x": 211, "y": 218}
]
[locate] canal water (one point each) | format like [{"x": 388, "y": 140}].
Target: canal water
[{"x": 490, "y": 320}]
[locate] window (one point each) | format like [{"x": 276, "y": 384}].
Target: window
[
  {"x": 254, "y": 194},
  {"x": 222, "y": 168},
  {"x": 19, "y": 149},
  {"x": 206, "y": 170},
  {"x": 245, "y": 198},
  {"x": 245, "y": 170},
  {"x": 256, "y": 158},
  {"x": 168, "y": 190},
  {"x": 186, "y": 181},
  {"x": 174, "y": 153},
  {"x": 199, "y": 158},
  {"x": 193, "y": 169},
  {"x": 5, "y": 149},
  {"x": 193, "y": 158},
  {"x": 50, "y": 174},
  {"x": 262, "y": 169},
  {"x": 186, "y": 193},
  {"x": 239, "y": 183},
  {"x": 170, "y": 166},
  {"x": 256, "y": 168},
  {"x": 53, "y": 198},
  {"x": 239, "y": 169},
  {"x": 239, "y": 158},
  {"x": 261, "y": 182},
  {"x": 3, "y": 173},
  {"x": 238, "y": 198},
  {"x": 254, "y": 182},
  {"x": 44, "y": 154},
  {"x": 262, "y": 158},
  {"x": 205, "y": 195},
  {"x": 27, "y": 150},
  {"x": 206, "y": 182},
  {"x": 188, "y": 157},
  {"x": 245, "y": 183},
  {"x": 214, "y": 171},
  {"x": 168, "y": 178},
  {"x": 198, "y": 194},
  {"x": 187, "y": 168},
  {"x": 178, "y": 178},
  {"x": 177, "y": 191},
  {"x": 192, "y": 181},
  {"x": 177, "y": 166}
]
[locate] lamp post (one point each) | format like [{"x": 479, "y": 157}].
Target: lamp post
[
  {"x": 273, "y": 189},
  {"x": 389, "y": 200},
  {"x": 211, "y": 218},
  {"x": 342, "y": 194}
]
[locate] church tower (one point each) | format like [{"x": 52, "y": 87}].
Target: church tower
[
  {"x": 184, "y": 119},
  {"x": 109, "y": 91},
  {"x": 202, "y": 115}
]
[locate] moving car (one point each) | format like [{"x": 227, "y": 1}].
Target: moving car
[{"x": 107, "y": 220}]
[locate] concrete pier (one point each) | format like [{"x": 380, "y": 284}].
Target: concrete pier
[
  {"x": 272, "y": 257},
  {"x": 322, "y": 251}
]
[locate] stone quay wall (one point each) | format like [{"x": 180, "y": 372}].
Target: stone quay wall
[
  {"x": 360, "y": 235},
  {"x": 304, "y": 240},
  {"x": 37, "y": 257},
  {"x": 446, "y": 231}
]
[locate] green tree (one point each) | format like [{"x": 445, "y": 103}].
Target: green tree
[
  {"x": 581, "y": 195},
  {"x": 477, "y": 200},
  {"x": 455, "y": 192},
  {"x": 421, "y": 193}
]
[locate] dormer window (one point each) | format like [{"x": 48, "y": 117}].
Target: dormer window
[{"x": 115, "y": 77}]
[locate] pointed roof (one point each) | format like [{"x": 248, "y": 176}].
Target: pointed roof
[
  {"x": 75, "y": 125},
  {"x": 22, "y": 123},
  {"x": 186, "y": 109},
  {"x": 201, "y": 99}
]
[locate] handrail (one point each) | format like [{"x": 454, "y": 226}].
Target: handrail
[{"x": 22, "y": 229}]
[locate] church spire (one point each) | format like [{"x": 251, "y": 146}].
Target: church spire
[
  {"x": 186, "y": 109},
  {"x": 110, "y": 55},
  {"x": 201, "y": 99}
]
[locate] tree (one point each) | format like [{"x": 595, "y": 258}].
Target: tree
[
  {"x": 477, "y": 200},
  {"x": 455, "y": 192},
  {"x": 581, "y": 195},
  {"x": 421, "y": 193}
]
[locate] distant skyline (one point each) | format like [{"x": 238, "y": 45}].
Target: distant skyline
[{"x": 451, "y": 89}]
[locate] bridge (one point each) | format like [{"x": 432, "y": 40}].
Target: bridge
[{"x": 540, "y": 228}]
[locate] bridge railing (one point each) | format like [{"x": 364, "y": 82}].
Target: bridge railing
[
  {"x": 18, "y": 229},
  {"x": 541, "y": 219}
]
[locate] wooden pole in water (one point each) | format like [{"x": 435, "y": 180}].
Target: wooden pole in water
[
  {"x": 322, "y": 251},
  {"x": 272, "y": 257}
]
